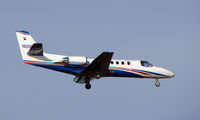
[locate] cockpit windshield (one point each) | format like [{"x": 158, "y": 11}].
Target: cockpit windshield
[{"x": 146, "y": 64}]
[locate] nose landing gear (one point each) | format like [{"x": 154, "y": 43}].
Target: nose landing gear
[{"x": 157, "y": 84}]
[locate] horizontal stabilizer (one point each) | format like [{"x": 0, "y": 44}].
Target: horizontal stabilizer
[{"x": 36, "y": 50}]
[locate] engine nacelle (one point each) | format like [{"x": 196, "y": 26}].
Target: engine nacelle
[
  {"x": 76, "y": 60},
  {"x": 80, "y": 60}
]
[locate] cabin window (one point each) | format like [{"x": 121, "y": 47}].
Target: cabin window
[
  {"x": 117, "y": 62},
  {"x": 146, "y": 64},
  {"x": 128, "y": 63},
  {"x": 111, "y": 62},
  {"x": 122, "y": 62}
]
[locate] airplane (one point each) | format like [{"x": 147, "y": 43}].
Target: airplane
[{"x": 85, "y": 69}]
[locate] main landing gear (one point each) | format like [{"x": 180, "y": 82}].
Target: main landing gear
[
  {"x": 87, "y": 83},
  {"x": 87, "y": 86},
  {"x": 157, "y": 84}
]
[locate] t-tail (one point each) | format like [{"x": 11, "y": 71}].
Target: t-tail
[{"x": 28, "y": 46}]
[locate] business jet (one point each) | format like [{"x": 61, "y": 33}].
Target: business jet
[{"x": 85, "y": 69}]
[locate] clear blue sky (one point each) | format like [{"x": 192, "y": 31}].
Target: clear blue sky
[{"x": 164, "y": 32}]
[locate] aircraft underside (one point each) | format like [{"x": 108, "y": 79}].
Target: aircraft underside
[{"x": 74, "y": 70}]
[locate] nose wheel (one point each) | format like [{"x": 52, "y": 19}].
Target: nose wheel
[{"x": 157, "y": 84}]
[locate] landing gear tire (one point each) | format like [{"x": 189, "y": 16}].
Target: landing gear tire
[
  {"x": 157, "y": 84},
  {"x": 87, "y": 86}
]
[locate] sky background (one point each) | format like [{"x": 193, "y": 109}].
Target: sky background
[{"x": 164, "y": 32}]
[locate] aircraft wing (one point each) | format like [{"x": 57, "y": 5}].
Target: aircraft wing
[{"x": 99, "y": 66}]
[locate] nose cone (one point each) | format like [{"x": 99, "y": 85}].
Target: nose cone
[{"x": 168, "y": 73}]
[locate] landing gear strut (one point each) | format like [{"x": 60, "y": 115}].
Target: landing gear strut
[
  {"x": 157, "y": 84},
  {"x": 87, "y": 86},
  {"x": 97, "y": 76}
]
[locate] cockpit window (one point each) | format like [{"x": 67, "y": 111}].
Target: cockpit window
[{"x": 146, "y": 64}]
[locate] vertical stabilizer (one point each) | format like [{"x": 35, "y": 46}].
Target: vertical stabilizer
[{"x": 25, "y": 42}]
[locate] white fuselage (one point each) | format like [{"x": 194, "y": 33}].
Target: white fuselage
[{"x": 119, "y": 68}]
